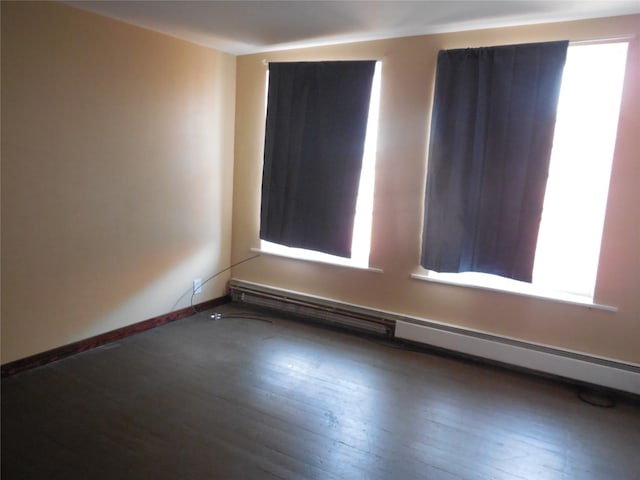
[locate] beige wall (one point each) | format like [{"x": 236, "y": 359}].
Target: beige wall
[
  {"x": 407, "y": 82},
  {"x": 117, "y": 148},
  {"x": 117, "y": 167}
]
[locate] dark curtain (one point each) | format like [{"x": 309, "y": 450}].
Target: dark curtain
[
  {"x": 491, "y": 136},
  {"x": 314, "y": 141}
]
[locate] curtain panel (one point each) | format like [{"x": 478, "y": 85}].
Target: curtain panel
[
  {"x": 314, "y": 141},
  {"x": 491, "y": 135}
]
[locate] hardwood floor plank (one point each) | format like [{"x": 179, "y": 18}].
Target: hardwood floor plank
[{"x": 239, "y": 398}]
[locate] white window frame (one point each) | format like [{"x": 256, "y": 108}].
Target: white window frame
[
  {"x": 361, "y": 242},
  {"x": 543, "y": 285}
]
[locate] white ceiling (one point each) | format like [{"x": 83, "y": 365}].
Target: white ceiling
[{"x": 242, "y": 27}]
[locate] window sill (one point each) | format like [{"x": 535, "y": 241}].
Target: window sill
[
  {"x": 524, "y": 290},
  {"x": 323, "y": 262}
]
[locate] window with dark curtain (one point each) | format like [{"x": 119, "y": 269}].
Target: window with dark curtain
[
  {"x": 492, "y": 130},
  {"x": 314, "y": 141}
]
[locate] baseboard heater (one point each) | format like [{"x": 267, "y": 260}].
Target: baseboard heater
[
  {"x": 570, "y": 365},
  {"x": 316, "y": 308}
]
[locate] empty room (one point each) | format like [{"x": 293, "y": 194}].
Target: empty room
[{"x": 320, "y": 240}]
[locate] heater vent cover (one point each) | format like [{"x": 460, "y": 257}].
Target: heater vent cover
[{"x": 316, "y": 308}]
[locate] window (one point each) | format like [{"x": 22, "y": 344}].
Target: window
[
  {"x": 361, "y": 237},
  {"x": 566, "y": 246}
]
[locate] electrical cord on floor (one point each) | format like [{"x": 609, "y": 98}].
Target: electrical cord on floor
[
  {"x": 222, "y": 316},
  {"x": 596, "y": 398},
  {"x": 590, "y": 396},
  {"x": 195, "y": 310}
]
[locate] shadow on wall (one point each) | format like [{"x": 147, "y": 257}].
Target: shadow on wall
[{"x": 86, "y": 304}]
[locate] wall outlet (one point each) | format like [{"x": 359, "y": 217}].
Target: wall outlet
[{"x": 197, "y": 286}]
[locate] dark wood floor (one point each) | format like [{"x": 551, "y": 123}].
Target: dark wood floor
[{"x": 239, "y": 398}]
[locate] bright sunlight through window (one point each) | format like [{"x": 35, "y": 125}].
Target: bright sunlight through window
[
  {"x": 568, "y": 246},
  {"x": 361, "y": 242}
]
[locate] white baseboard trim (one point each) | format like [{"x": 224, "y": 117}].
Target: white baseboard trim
[
  {"x": 575, "y": 366},
  {"x": 564, "y": 363}
]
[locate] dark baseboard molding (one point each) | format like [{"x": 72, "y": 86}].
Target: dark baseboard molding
[{"x": 59, "y": 353}]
